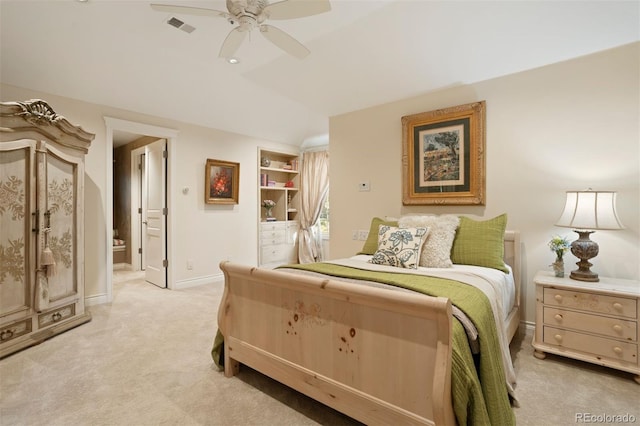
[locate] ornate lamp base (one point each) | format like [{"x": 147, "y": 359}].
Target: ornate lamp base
[{"x": 584, "y": 249}]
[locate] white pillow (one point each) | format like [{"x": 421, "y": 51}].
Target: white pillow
[
  {"x": 436, "y": 252},
  {"x": 399, "y": 247}
]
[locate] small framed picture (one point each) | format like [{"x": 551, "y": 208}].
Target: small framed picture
[{"x": 221, "y": 182}]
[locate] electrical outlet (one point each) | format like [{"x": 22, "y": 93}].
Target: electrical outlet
[
  {"x": 354, "y": 235},
  {"x": 363, "y": 235},
  {"x": 190, "y": 264}
]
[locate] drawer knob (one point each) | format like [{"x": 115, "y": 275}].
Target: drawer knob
[
  {"x": 56, "y": 317},
  {"x": 6, "y": 335},
  {"x": 558, "y": 338},
  {"x": 558, "y": 317},
  {"x": 617, "y": 349},
  {"x": 617, "y": 327},
  {"x": 558, "y": 298},
  {"x": 617, "y": 306}
]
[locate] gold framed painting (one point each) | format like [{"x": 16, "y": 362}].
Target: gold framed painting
[
  {"x": 221, "y": 182},
  {"x": 443, "y": 156}
]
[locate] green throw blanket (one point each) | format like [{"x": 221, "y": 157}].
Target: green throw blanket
[{"x": 480, "y": 397}]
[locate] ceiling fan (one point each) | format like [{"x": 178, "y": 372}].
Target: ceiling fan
[{"x": 250, "y": 14}]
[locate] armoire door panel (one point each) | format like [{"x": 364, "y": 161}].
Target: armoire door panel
[
  {"x": 15, "y": 229},
  {"x": 60, "y": 218}
]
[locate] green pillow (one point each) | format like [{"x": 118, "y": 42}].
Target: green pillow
[
  {"x": 480, "y": 243},
  {"x": 371, "y": 245}
]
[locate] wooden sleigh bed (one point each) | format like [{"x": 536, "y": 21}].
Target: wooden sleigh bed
[{"x": 380, "y": 356}]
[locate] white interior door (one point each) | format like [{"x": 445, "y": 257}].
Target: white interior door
[
  {"x": 156, "y": 214},
  {"x": 142, "y": 211}
]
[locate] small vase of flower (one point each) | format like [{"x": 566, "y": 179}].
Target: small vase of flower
[
  {"x": 559, "y": 245},
  {"x": 268, "y": 206}
]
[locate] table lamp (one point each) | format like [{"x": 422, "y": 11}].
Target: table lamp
[{"x": 586, "y": 212}]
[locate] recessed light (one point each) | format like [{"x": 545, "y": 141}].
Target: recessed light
[{"x": 233, "y": 60}]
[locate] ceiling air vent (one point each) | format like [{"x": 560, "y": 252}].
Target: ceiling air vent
[{"x": 175, "y": 22}]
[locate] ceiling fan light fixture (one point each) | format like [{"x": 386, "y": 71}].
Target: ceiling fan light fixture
[{"x": 251, "y": 14}]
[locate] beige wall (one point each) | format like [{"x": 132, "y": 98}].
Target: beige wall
[
  {"x": 205, "y": 234},
  {"x": 568, "y": 126}
]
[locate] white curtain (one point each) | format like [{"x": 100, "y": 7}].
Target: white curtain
[{"x": 314, "y": 185}]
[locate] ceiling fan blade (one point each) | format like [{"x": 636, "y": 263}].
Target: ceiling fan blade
[
  {"x": 188, "y": 10},
  {"x": 232, "y": 42},
  {"x": 284, "y": 41},
  {"x": 291, "y": 9}
]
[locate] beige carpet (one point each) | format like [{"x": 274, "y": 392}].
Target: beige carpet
[{"x": 144, "y": 360}]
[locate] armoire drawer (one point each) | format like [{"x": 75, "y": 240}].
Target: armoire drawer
[
  {"x": 592, "y": 345},
  {"x": 590, "y": 323},
  {"x": 16, "y": 329},
  {"x": 56, "y": 315},
  {"x": 591, "y": 302}
]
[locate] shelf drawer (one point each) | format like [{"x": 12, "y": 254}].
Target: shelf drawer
[
  {"x": 292, "y": 232},
  {"x": 17, "y": 329},
  {"x": 273, "y": 254},
  {"x": 599, "y": 347},
  {"x": 272, "y": 226},
  {"x": 605, "y": 326},
  {"x": 57, "y": 315},
  {"x": 278, "y": 238},
  {"x": 589, "y": 302}
]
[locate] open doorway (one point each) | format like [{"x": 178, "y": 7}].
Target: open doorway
[
  {"x": 120, "y": 132},
  {"x": 125, "y": 182},
  {"x": 139, "y": 206}
]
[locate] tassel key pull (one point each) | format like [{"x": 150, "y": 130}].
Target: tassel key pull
[{"x": 47, "y": 259}]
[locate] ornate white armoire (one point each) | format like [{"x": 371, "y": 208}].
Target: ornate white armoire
[{"x": 41, "y": 224}]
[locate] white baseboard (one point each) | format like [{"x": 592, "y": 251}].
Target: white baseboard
[
  {"x": 529, "y": 326},
  {"x": 98, "y": 299},
  {"x": 193, "y": 282},
  {"x": 122, "y": 267}
]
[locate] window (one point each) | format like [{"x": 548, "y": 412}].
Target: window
[{"x": 323, "y": 220}]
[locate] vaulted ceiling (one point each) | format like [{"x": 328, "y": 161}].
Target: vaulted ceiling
[{"x": 363, "y": 52}]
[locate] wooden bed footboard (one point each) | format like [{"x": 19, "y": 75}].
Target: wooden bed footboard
[{"x": 377, "y": 355}]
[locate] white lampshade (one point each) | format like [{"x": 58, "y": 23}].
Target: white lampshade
[{"x": 590, "y": 210}]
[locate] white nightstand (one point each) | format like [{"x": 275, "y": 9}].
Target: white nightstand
[{"x": 593, "y": 322}]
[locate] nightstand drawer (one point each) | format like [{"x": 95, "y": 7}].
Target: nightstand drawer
[
  {"x": 591, "y": 302},
  {"x": 606, "y": 326},
  {"x": 597, "y": 346}
]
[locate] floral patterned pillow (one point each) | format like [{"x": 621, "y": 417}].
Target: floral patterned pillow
[{"x": 399, "y": 247}]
